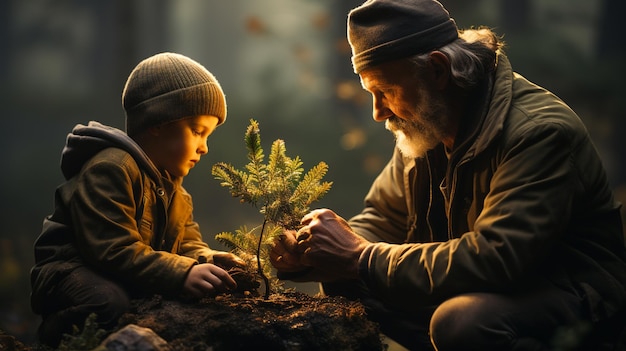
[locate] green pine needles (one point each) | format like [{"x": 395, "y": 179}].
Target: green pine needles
[
  {"x": 88, "y": 339},
  {"x": 278, "y": 189}
]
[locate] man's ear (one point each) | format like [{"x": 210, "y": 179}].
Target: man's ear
[{"x": 441, "y": 69}]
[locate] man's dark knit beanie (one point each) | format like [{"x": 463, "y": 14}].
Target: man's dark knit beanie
[
  {"x": 168, "y": 87},
  {"x": 385, "y": 30}
]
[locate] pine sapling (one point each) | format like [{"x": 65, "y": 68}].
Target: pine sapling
[{"x": 280, "y": 191}]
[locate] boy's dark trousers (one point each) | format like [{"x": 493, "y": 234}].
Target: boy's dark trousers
[
  {"x": 74, "y": 298},
  {"x": 544, "y": 318}
]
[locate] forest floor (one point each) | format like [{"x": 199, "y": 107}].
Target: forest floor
[{"x": 285, "y": 321}]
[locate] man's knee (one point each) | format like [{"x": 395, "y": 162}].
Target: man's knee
[{"x": 466, "y": 323}]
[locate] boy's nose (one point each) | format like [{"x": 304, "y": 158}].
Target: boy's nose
[{"x": 203, "y": 148}]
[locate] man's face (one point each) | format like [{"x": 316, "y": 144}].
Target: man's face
[{"x": 411, "y": 109}]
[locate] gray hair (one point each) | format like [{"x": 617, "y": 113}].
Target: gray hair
[{"x": 472, "y": 56}]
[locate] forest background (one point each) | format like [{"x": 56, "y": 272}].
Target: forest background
[{"x": 285, "y": 63}]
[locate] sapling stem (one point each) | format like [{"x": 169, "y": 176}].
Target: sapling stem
[{"x": 258, "y": 261}]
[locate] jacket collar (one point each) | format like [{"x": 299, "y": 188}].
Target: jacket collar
[{"x": 498, "y": 105}]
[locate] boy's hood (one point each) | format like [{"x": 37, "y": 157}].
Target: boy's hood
[{"x": 86, "y": 141}]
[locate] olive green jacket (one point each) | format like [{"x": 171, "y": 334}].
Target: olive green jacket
[
  {"x": 117, "y": 214},
  {"x": 523, "y": 198}
]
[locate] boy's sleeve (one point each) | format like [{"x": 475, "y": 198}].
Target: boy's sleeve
[
  {"x": 103, "y": 211},
  {"x": 190, "y": 243}
]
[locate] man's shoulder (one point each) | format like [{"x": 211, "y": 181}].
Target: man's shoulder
[{"x": 540, "y": 112}]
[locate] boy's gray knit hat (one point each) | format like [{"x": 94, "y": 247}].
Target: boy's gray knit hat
[
  {"x": 385, "y": 30},
  {"x": 167, "y": 87}
]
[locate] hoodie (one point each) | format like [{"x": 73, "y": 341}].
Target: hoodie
[{"x": 118, "y": 215}]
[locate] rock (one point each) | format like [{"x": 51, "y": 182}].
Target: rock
[{"x": 134, "y": 338}]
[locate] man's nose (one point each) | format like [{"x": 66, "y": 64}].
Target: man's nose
[{"x": 380, "y": 112}]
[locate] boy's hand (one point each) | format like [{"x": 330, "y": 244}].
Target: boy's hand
[
  {"x": 208, "y": 279},
  {"x": 228, "y": 260}
]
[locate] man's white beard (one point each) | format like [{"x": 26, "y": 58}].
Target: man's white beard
[
  {"x": 412, "y": 140},
  {"x": 416, "y": 136}
]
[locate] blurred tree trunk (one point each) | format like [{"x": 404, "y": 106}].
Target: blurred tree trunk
[
  {"x": 6, "y": 40},
  {"x": 610, "y": 54},
  {"x": 342, "y": 69},
  {"x": 611, "y": 30}
]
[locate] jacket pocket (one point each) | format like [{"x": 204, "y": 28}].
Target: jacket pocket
[{"x": 146, "y": 230}]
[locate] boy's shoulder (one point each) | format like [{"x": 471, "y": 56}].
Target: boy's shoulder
[{"x": 114, "y": 157}]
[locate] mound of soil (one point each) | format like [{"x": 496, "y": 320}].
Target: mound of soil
[{"x": 286, "y": 321}]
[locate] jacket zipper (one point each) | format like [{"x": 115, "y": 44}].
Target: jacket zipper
[
  {"x": 430, "y": 200},
  {"x": 452, "y": 188}
]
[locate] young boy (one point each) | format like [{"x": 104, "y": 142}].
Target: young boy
[{"x": 122, "y": 225}]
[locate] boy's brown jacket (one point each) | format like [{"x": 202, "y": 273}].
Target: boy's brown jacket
[
  {"x": 118, "y": 215},
  {"x": 524, "y": 199}
]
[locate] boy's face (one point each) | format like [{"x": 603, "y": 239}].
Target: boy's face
[{"x": 181, "y": 143}]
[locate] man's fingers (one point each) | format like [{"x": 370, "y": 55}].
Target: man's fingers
[
  {"x": 303, "y": 235},
  {"x": 286, "y": 262},
  {"x": 287, "y": 241},
  {"x": 283, "y": 247}
]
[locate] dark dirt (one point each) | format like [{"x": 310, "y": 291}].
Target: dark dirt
[
  {"x": 288, "y": 321},
  {"x": 244, "y": 320}
]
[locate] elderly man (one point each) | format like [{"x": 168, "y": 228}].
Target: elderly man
[{"x": 493, "y": 226}]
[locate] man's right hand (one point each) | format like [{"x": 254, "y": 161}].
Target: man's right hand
[{"x": 284, "y": 256}]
